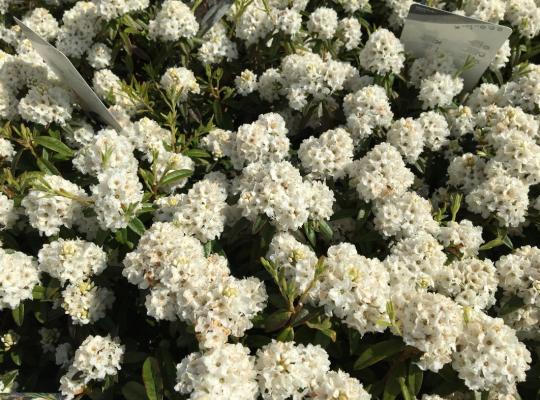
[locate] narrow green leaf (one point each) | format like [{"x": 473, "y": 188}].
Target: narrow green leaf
[
  {"x": 153, "y": 381},
  {"x": 277, "y": 320},
  {"x": 18, "y": 314},
  {"x": 47, "y": 167},
  {"x": 394, "y": 383},
  {"x": 325, "y": 230},
  {"x": 197, "y": 153},
  {"x": 175, "y": 176},
  {"x": 325, "y": 327},
  {"x": 134, "y": 391},
  {"x": 286, "y": 335},
  {"x": 15, "y": 357},
  {"x": 378, "y": 352},
  {"x": 38, "y": 293},
  {"x": 54, "y": 144},
  {"x": 415, "y": 379},
  {"x": 137, "y": 226}
]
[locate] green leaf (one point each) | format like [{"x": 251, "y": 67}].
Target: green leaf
[
  {"x": 394, "y": 383},
  {"x": 134, "y": 391},
  {"x": 153, "y": 381},
  {"x": 47, "y": 167},
  {"x": 415, "y": 379},
  {"x": 325, "y": 327},
  {"x": 137, "y": 226},
  {"x": 18, "y": 314},
  {"x": 513, "y": 304},
  {"x": 197, "y": 153},
  {"x": 38, "y": 293},
  {"x": 9, "y": 377},
  {"x": 277, "y": 320},
  {"x": 378, "y": 352},
  {"x": 54, "y": 144},
  {"x": 286, "y": 335},
  {"x": 325, "y": 230},
  {"x": 15, "y": 357},
  {"x": 175, "y": 176}
]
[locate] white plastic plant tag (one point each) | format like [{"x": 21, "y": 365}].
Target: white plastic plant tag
[
  {"x": 67, "y": 72},
  {"x": 429, "y": 31}
]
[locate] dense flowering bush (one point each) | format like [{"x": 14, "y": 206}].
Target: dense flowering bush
[{"x": 293, "y": 208}]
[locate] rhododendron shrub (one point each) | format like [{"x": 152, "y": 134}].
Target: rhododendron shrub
[{"x": 291, "y": 206}]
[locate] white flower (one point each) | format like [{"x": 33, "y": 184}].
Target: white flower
[
  {"x": 404, "y": 215},
  {"x": 42, "y": 22},
  {"x": 381, "y": 173},
  {"x": 46, "y": 104},
  {"x": 354, "y": 288},
  {"x": 323, "y": 22},
  {"x": 72, "y": 260},
  {"x": 439, "y": 90},
  {"x": 8, "y": 213},
  {"x": 463, "y": 237},
  {"x": 18, "y": 276},
  {"x": 216, "y": 46},
  {"x": 109, "y": 9},
  {"x": 366, "y": 110},
  {"x": 489, "y": 355},
  {"x": 86, "y": 303},
  {"x": 519, "y": 274},
  {"x": 327, "y": 156},
  {"x": 286, "y": 370},
  {"x": 296, "y": 259},
  {"x": 383, "y": 53},
  {"x": 226, "y": 372},
  {"x": 501, "y": 196},
  {"x": 55, "y": 203},
  {"x": 471, "y": 282},
  {"x": 430, "y": 322},
  {"x": 174, "y": 21},
  {"x": 99, "y": 56},
  {"x": 415, "y": 262},
  {"x": 117, "y": 197},
  {"x": 246, "y": 82},
  {"x": 407, "y": 135}
]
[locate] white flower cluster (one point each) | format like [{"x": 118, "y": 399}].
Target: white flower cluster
[
  {"x": 471, "y": 282},
  {"x": 18, "y": 276},
  {"x": 80, "y": 25},
  {"x": 174, "y": 21},
  {"x": 383, "y": 53},
  {"x": 461, "y": 236},
  {"x": 327, "y": 156},
  {"x": 354, "y": 288},
  {"x": 276, "y": 190},
  {"x": 96, "y": 358},
  {"x": 489, "y": 355},
  {"x": 56, "y": 202},
  {"x": 305, "y": 77},
  {"x": 8, "y": 213},
  {"x": 73, "y": 263},
  {"x": 296, "y": 259},
  {"x": 184, "y": 283},
  {"x": 201, "y": 212},
  {"x": 519, "y": 276},
  {"x": 415, "y": 262},
  {"x": 179, "y": 81},
  {"x": 432, "y": 323},
  {"x": 366, "y": 110},
  {"x": 278, "y": 371},
  {"x": 225, "y": 372},
  {"x": 72, "y": 260}
]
